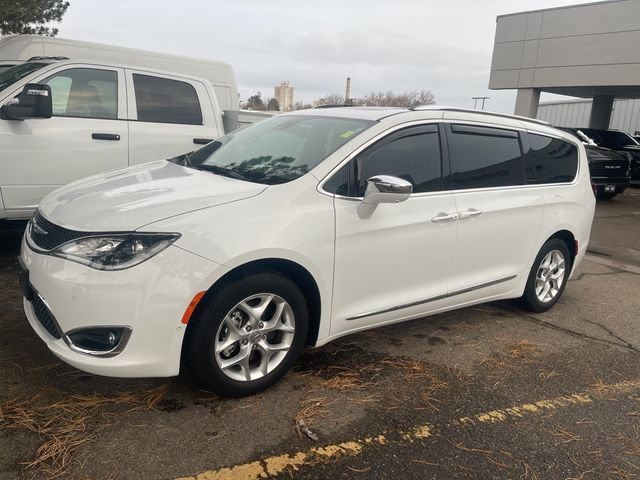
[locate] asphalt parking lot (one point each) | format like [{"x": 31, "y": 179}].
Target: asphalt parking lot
[{"x": 485, "y": 392}]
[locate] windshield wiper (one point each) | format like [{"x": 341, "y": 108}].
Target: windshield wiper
[{"x": 226, "y": 172}]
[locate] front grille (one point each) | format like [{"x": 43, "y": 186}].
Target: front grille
[
  {"x": 47, "y": 235},
  {"x": 44, "y": 315},
  {"x": 614, "y": 168}
]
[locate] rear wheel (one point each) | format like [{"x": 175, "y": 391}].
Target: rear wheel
[
  {"x": 548, "y": 276},
  {"x": 249, "y": 334}
]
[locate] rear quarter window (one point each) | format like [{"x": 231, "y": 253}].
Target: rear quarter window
[{"x": 550, "y": 160}]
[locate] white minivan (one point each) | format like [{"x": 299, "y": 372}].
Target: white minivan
[
  {"x": 298, "y": 230},
  {"x": 107, "y": 107}
]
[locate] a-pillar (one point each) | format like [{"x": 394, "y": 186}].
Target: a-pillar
[{"x": 601, "y": 111}]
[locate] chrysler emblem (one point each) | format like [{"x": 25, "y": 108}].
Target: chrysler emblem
[{"x": 37, "y": 228}]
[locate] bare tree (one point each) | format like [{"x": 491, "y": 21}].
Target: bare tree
[
  {"x": 382, "y": 99},
  {"x": 390, "y": 99},
  {"x": 330, "y": 99},
  {"x": 301, "y": 106}
]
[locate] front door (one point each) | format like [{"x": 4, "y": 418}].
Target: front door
[
  {"x": 394, "y": 263},
  {"x": 87, "y": 134}
]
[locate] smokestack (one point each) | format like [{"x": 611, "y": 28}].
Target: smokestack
[{"x": 347, "y": 93}]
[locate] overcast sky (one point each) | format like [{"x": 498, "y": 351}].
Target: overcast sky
[{"x": 444, "y": 46}]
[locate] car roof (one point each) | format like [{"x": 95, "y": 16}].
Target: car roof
[
  {"x": 361, "y": 113},
  {"x": 378, "y": 113}
]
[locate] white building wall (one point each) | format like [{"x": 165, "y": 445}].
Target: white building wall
[{"x": 575, "y": 113}]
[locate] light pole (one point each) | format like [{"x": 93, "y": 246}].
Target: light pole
[{"x": 475, "y": 102}]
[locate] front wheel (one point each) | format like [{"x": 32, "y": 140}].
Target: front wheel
[
  {"x": 249, "y": 334},
  {"x": 548, "y": 276}
]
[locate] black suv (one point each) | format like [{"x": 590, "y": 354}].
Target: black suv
[
  {"x": 620, "y": 142},
  {"x": 609, "y": 168}
]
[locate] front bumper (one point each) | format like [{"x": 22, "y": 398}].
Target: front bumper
[{"x": 150, "y": 298}]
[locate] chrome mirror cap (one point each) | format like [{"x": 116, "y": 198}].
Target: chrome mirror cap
[{"x": 383, "y": 189}]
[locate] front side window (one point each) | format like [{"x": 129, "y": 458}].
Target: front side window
[
  {"x": 412, "y": 154},
  {"x": 277, "y": 150},
  {"x": 483, "y": 157},
  {"x": 161, "y": 100},
  {"x": 84, "y": 92},
  {"x": 550, "y": 160}
]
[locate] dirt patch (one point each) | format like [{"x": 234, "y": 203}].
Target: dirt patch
[
  {"x": 69, "y": 423},
  {"x": 170, "y": 405}
]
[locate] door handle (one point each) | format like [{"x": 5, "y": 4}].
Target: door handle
[
  {"x": 444, "y": 217},
  {"x": 105, "y": 136},
  {"x": 202, "y": 141},
  {"x": 472, "y": 212}
]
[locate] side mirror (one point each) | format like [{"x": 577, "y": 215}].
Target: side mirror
[
  {"x": 33, "y": 102},
  {"x": 383, "y": 189}
]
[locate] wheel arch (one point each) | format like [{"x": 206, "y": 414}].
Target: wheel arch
[
  {"x": 292, "y": 270},
  {"x": 569, "y": 240}
]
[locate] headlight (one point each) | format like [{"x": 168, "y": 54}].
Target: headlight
[{"x": 115, "y": 252}]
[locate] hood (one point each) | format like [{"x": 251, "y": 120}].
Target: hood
[
  {"x": 127, "y": 199},
  {"x": 632, "y": 148}
]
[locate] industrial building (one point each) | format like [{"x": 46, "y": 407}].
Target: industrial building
[
  {"x": 588, "y": 51},
  {"x": 625, "y": 114},
  {"x": 284, "y": 96}
]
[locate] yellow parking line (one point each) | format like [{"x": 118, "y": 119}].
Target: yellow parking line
[{"x": 277, "y": 464}]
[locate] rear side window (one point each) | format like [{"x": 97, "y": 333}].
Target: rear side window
[
  {"x": 162, "y": 100},
  {"x": 483, "y": 157},
  {"x": 550, "y": 160}
]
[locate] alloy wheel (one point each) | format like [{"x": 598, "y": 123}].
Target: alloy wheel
[
  {"x": 254, "y": 337},
  {"x": 550, "y": 276}
]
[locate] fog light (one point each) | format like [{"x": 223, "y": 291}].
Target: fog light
[{"x": 99, "y": 341}]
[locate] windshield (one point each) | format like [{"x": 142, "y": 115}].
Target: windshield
[
  {"x": 17, "y": 72},
  {"x": 276, "y": 150},
  {"x": 609, "y": 138}
]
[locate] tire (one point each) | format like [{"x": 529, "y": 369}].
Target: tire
[
  {"x": 533, "y": 298},
  {"x": 246, "y": 320}
]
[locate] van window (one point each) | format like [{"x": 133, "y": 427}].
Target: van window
[
  {"x": 162, "y": 100},
  {"x": 412, "y": 154},
  {"x": 550, "y": 160},
  {"x": 483, "y": 157},
  {"x": 84, "y": 92}
]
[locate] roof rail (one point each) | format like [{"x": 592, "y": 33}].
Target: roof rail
[
  {"x": 335, "y": 106},
  {"x": 34, "y": 59},
  {"x": 482, "y": 112}
]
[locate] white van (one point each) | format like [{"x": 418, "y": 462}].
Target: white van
[
  {"x": 299, "y": 230},
  {"x": 20, "y": 48},
  {"x": 63, "y": 119}
]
